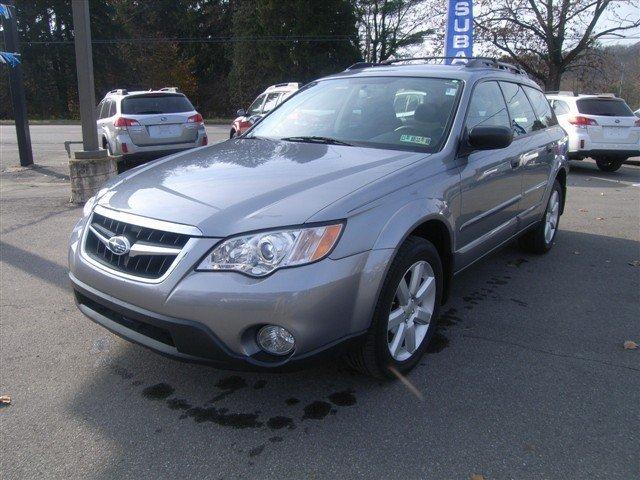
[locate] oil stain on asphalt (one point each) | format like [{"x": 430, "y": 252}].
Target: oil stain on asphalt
[{"x": 159, "y": 391}]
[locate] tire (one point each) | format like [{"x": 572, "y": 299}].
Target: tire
[
  {"x": 374, "y": 357},
  {"x": 539, "y": 240},
  {"x": 232, "y": 134},
  {"x": 107, "y": 147},
  {"x": 608, "y": 165}
]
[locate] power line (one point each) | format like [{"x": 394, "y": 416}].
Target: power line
[
  {"x": 256, "y": 39},
  {"x": 225, "y": 39}
]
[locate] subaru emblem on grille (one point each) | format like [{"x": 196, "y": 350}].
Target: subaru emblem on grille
[{"x": 119, "y": 245}]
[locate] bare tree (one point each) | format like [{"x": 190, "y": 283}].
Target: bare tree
[
  {"x": 550, "y": 37},
  {"x": 389, "y": 26}
]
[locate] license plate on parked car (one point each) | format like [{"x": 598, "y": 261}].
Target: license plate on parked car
[
  {"x": 616, "y": 132},
  {"x": 163, "y": 131}
]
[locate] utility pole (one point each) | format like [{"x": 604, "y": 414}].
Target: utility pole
[
  {"x": 17, "y": 89},
  {"x": 84, "y": 66},
  {"x": 89, "y": 168}
]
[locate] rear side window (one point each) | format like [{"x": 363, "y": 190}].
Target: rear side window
[
  {"x": 560, "y": 107},
  {"x": 154, "y": 104},
  {"x": 607, "y": 107},
  {"x": 99, "y": 110},
  {"x": 271, "y": 102},
  {"x": 112, "y": 109},
  {"x": 487, "y": 107},
  {"x": 541, "y": 107},
  {"x": 523, "y": 118},
  {"x": 256, "y": 106}
]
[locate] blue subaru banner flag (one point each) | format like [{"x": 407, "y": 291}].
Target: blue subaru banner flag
[
  {"x": 4, "y": 11},
  {"x": 10, "y": 58},
  {"x": 459, "y": 37}
]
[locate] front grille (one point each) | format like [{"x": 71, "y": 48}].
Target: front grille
[{"x": 146, "y": 266}]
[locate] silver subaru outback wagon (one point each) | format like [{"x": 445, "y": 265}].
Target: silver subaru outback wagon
[
  {"x": 148, "y": 123},
  {"x": 334, "y": 225}
]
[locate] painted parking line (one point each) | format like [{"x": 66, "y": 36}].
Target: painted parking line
[{"x": 621, "y": 182}]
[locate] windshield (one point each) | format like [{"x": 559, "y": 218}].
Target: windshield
[
  {"x": 154, "y": 104},
  {"x": 604, "y": 107},
  {"x": 386, "y": 112}
]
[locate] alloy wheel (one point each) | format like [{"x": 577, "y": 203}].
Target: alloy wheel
[
  {"x": 411, "y": 311},
  {"x": 551, "y": 218}
]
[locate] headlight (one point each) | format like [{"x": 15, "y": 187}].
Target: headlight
[{"x": 261, "y": 253}]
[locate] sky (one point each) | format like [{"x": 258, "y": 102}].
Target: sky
[{"x": 627, "y": 9}]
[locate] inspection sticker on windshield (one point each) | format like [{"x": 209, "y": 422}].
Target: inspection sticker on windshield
[
  {"x": 415, "y": 139},
  {"x": 451, "y": 91}
]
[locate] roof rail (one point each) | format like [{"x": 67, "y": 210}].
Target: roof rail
[
  {"x": 468, "y": 62},
  {"x": 567, "y": 93},
  {"x": 119, "y": 91},
  {"x": 604, "y": 95},
  {"x": 359, "y": 65},
  {"x": 281, "y": 85},
  {"x": 487, "y": 62},
  {"x": 169, "y": 89}
]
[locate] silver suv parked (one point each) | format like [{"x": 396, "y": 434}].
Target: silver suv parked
[
  {"x": 149, "y": 122},
  {"x": 336, "y": 223}
]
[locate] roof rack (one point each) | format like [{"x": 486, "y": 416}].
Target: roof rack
[
  {"x": 119, "y": 91},
  {"x": 359, "y": 65},
  {"x": 169, "y": 89},
  {"x": 468, "y": 62},
  {"x": 567, "y": 93},
  {"x": 282, "y": 85},
  {"x": 603, "y": 95}
]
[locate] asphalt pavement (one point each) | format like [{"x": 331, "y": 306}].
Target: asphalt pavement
[{"x": 527, "y": 377}]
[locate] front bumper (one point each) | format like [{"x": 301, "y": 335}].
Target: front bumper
[
  {"x": 213, "y": 317},
  {"x": 186, "y": 340}
]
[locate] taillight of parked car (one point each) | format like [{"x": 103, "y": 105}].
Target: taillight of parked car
[
  {"x": 580, "y": 121},
  {"x": 125, "y": 122},
  {"x": 197, "y": 118}
]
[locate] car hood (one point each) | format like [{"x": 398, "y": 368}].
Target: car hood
[{"x": 249, "y": 184}]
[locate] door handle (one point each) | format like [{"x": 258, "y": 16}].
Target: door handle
[
  {"x": 529, "y": 156},
  {"x": 515, "y": 162}
]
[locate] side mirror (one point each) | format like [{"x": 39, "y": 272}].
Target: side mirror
[
  {"x": 241, "y": 112},
  {"x": 489, "y": 138}
]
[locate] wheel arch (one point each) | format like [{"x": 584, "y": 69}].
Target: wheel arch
[
  {"x": 437, "y": 232},
  {"x": 434, "y": 227},
  {"x": 561, "y": 176}
]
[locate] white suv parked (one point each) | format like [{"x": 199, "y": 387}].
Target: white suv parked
[
  {"x": 602, "y": 127},
  {"x": 148, "y": 122}
]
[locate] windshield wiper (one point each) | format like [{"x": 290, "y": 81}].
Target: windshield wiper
[
  {"x": 254, "y": 137},
  {"x": 314, "y": 139}
]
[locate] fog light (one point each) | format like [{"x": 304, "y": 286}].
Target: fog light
[{"x": 275, "y": 340}]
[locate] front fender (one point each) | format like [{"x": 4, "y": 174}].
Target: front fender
[{"x": 409, "y": 217}]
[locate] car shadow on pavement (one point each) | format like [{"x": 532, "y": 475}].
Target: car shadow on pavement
[
  {"x": 35, "y": 265},
  {"x": 162, "y": 414}
]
